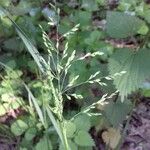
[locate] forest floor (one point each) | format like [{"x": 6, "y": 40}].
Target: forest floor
[
  {"x": 137, "y": 136},
  {"x": 138, "y": 131}
]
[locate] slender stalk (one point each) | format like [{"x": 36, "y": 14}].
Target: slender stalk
[
  {"x": 65, "y": 144},
  {"x": 74, "y": 86}
]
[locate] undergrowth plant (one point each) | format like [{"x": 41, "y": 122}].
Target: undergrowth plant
[
  {"x": 54, "y": 76},
  {"x": 59, "y": 78}
]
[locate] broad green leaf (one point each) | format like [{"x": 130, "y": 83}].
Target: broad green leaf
[
  {"x": 145, "y": 89},
  {"x": 85, "y": 147},
  {"x": 102, "y": 2},
  {"x": 44, "y": 144},
  {"x": 147, "y": 16},
  {"x": 116, "y": 112},
  {"x": 19, "y": 127},
  {"x": 146, "y": 92},
  {"x": 83, "y": 138},
  {"x": 72, "y": 145},
  {"x": 27, "y": 25},
  {"x": 30, "y": 134},
  {"x": 13, "y": 44},
  {"x": 82, "y": 122},
  {"x": 6, "y": 29},
  {"x": 70, "y": 129},
  {"x": 135, "y": 64},
  {"x": 89, "y": 5},
  {"x": 12, "y": 64},
  {"x": 143, "y": 30},
  {"x": 93, "y": 37},
  {"x": 22, "y": 148},
  {"x": 22, "y": 8},
  {"x": 14, "y": 74},
  {"x": 5, "y": 3},
  {"x": 121, "y": 25},
  {"x": 82, "y": 18}
]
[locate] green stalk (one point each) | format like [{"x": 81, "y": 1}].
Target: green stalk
[{"x": 65, "y": 144}]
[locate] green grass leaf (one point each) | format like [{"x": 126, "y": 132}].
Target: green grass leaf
[
  {"x": 35, "y": 103},
  {"x": 31, "y": 48},
  {"x": 55, "y": 123}
]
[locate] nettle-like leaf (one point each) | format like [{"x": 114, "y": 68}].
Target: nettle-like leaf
[
  {"x": 116, "y": 112},
  {"x": 83, "y": 138},
  {"x": 122, "y": 25},
  {"x": 82, "y": 122},
  {"x": 135, "y": 64}
]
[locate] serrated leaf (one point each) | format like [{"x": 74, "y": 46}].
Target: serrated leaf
[
  {"x": 116, "y": 112},
  {"x": 121, "y": 25},
  {"x": 83, "y": 138},
  {"x": 19, "y": 127},
  {"x": 136, "y": 65},
  {"x": 82, "y": 122}
]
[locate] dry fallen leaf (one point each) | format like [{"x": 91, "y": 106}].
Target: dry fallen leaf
[{"x": 111, "y": 137}]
